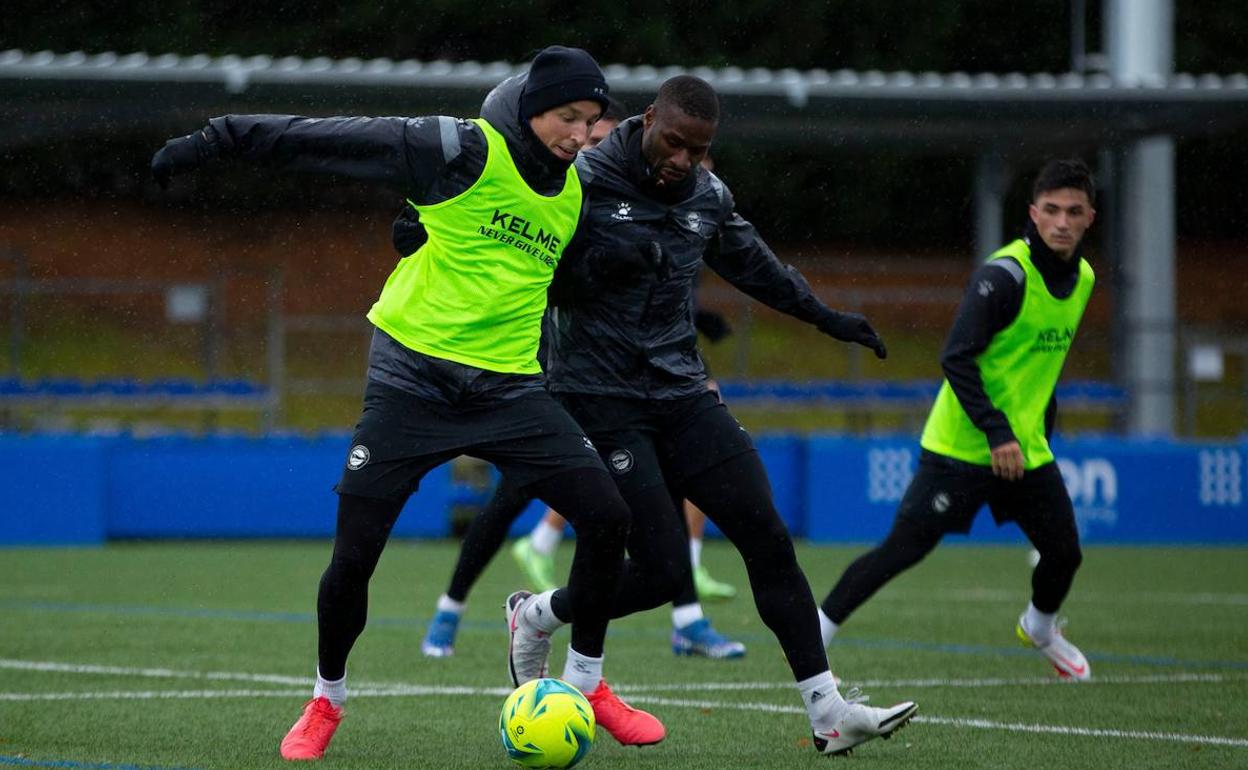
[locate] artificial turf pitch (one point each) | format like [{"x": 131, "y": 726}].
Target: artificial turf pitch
[{"x": 199, "y": 655}]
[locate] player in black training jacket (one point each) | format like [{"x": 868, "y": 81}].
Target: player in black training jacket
[{"x": 624, "y": 361}]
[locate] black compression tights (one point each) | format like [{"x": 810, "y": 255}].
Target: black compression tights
[
  {"x": 485, "y": 537},
  {"x": 737, "y": 496},
  {"x": 587, "y": 498},
  {"x": 364, "y": 525},
  {"x": 905, "y": 546},
  {"x": 658, "y": 570},
  {"x": 590, "y": 501},
  {"x": 909, "y": 541},
  {"x": 1057, "y": 541}
]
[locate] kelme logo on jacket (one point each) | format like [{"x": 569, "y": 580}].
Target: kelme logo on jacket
[
  {"x": 1053, "y": 340},
  {"x": 524, "y": 235}
]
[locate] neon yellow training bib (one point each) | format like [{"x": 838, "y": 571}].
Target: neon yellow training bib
[
  {"x": 475, "y": 292},
  {"x": 1020, "y": 368}
]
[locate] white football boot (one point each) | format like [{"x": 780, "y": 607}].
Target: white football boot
[
  {"x": 860, "y": 723},
  {"x": 1066, "y": 658},
  {"x": 529, "y": 647}
]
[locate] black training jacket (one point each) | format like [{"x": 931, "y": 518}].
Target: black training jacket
[
  {"x": 636, "y": 338},
  {"x": 426, "y": 159}
]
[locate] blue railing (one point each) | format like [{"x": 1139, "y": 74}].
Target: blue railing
[
  {"x": 900, "y": 394},
  {"x": 126, "y": 391}
]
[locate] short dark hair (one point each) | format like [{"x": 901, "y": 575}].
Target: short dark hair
[
  {"x": 615, "y": 110},
  {"x": 691, "y": 95},
  {"x": 1062, "y": 173}
]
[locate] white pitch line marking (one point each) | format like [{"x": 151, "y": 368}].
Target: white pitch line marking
[
  {"x": 413, "y": 691},
  {"x": 982, "y": 724},
  {"x": 150, "y": 695},
  {"x": 1085, "y": 732},
  {"x": 998, "y": 595},
  {"x": 771, "y": 708},
  {"x": 967, "y": 683},
  {"x": 638, "y": 695},
  {"x": 166, "y": 673}
]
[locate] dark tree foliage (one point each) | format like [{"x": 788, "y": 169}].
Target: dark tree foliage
[
  {"x": 871, "y": 196},
  {"x": 948, "y": 35}
]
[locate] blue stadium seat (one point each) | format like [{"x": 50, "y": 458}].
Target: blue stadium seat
[
  {"x": 63, "y": 387},
  {"x": 121, "y": 387},
  {"x": 171, "y": 387}
]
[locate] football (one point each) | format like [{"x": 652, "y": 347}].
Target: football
[{"x": 546, "y": 723}]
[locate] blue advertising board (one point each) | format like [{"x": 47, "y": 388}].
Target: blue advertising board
[
  {"x": 1123, "y": 491},
  {"x": 80, "y": 490},
  {"x": 51, "y": 491}
]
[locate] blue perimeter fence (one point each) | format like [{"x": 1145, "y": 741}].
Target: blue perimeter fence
[{"x": 60, "y": 490}]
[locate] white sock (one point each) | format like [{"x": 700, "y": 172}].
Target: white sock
[
  {"x": 540, "y": 614},
  {"x": 581, "y": 671},
  {"x": 695, "y": 551},
  {"x": 1038, "y": 625},
  {"x": 545, "y": 538},
  {"x": 823, "y": 700},
  {"x": 686, "y": 614},
  {"x": 336, "y": 691},
  {"x": 827, "y": 628},
  {"x": 447, "y": 604}
]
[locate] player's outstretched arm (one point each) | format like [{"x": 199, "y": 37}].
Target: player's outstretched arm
[
  {"x": 183, "y": 154},
  {"x": 404, "y": 152},
  {"x": 745, "y": 261},
  {"x": 852, "y": 327}
]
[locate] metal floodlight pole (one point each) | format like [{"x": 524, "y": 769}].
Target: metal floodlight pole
[
  {"x": 1140, "y": 37},
  {"x": 991, "y": 181}
]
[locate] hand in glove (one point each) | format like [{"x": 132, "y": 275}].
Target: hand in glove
[
  {"x": 853, "y": 327},
  {"x": 713, "y": 325},
  {"x": 185, "y": 153},
  {"x": 631, "y": 262}
]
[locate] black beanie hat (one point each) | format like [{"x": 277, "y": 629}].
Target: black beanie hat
[{"x": 560, "y": 75}]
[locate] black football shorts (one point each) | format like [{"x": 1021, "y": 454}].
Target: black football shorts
[{"x": 400, "y": 437}]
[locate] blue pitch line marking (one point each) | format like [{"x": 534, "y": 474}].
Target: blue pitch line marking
[
  {"x": 175, "y": 612},
  {"x": 483, "y": 625},
  {"x": 23, "y": 762}
]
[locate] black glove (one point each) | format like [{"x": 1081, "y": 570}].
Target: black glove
[
  {"x": 852, "y": 327},
  {"x": 631, "y": 262},
  {"x": 183, "y": 154},
  {"x": 712, "y": 325}
]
